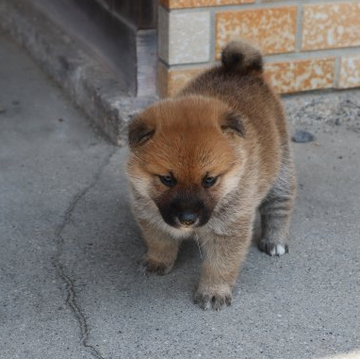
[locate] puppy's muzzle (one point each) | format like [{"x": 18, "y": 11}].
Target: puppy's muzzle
[{"x": 184, "y": 209}]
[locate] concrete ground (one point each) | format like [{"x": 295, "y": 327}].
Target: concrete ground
[{"x": 69, "y": 280}]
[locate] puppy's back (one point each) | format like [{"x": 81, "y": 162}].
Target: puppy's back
[
  {"x": 241, "y": 71},
  {"x": 239, "y": 81}
]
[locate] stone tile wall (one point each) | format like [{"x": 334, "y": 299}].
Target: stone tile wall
[{"x": 308, "y": 44}]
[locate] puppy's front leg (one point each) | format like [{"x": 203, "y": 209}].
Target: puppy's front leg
[
  {"x": 223, "y": 257},
  {"x": 161, "y": 252}
]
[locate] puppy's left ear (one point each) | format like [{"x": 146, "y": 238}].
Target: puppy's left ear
[
  {"x": 140, "y": 131},
  {"x": 233, "y": 122}
]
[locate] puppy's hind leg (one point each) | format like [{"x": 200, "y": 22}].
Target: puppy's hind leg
[
  {"x": 162, "y": 250},
  {"x": 276, "y": 210}
]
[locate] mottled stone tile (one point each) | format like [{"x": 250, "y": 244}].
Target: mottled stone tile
[
  {"x": 184, "y": 37},
  {"x": 180, "y": 4},
  {"x": 273, "y": 30},
  {"x": 285, "y": 77},
  {"x": 331, "y": 25},
  {"x": 349, "y": 72},
  {"x": 301, "y": 75}
]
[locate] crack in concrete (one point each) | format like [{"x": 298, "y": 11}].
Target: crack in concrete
[{"x": 70, "y": 289}]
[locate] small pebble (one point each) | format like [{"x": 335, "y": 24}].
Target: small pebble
[{"x": 301, "y": 136}]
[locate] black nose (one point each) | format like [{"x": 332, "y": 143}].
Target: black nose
[{"x": 187, "y": 218}]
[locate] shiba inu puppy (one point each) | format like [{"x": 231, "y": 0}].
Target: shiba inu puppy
[{"x": 204, "y": 162}]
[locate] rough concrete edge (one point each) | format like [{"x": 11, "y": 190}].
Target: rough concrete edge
[{"x": 90, "y": 86}]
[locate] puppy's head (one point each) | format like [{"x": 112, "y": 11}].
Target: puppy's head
[{"x": 185, "y": 156}]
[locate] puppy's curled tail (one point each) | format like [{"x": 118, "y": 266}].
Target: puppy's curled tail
[{"x": 242, "y": 57}]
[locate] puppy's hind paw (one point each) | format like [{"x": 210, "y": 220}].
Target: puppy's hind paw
[{"x": 273, "y": 249}]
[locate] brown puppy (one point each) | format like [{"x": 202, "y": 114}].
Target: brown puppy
[{"x": 202, "y": 163}]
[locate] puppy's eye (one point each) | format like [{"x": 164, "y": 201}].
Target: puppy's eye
[
  {"x": 209, "y": 181},
  {"x": 168, "y": 180}
]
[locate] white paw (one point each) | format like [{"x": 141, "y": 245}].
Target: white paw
[
  {"x": 273, "y": 249},
  {"x": 278, "y": 250}
]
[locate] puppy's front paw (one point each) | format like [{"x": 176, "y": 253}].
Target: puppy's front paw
[
  {"x": 273, "y": 249},
  {"x": 148, "y": 265},
  {"x": 216, "y": 300}
]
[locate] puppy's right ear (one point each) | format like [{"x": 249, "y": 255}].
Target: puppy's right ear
[{"x": 139, "y": 132}]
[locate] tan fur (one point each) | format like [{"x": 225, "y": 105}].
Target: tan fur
[{"x": 227, "y": 123}]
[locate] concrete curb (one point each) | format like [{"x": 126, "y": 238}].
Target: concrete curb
[{"x": 90, "y": 86}]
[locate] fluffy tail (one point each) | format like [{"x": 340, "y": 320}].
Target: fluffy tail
[{"x": 241, "y": 56}]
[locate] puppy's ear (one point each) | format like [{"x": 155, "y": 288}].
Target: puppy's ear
[
  {"x": 233, "y": 122},
  {"x": 140, "y": 131}
]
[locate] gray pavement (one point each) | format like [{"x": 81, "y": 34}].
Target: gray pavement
[{"x": 69, "y": 280}]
